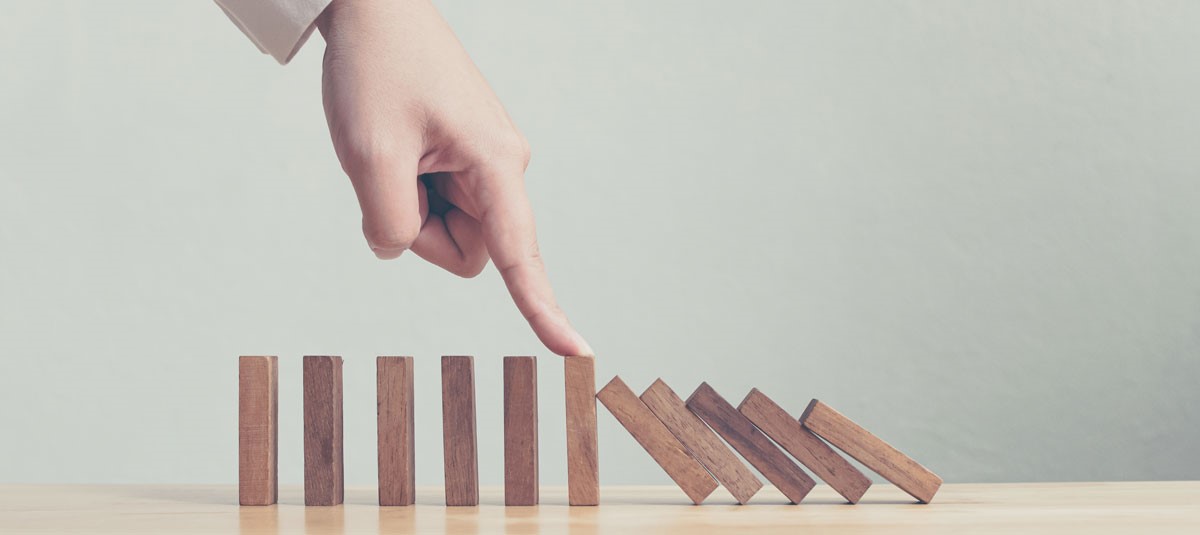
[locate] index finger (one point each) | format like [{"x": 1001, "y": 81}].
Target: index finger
[{"x": 511, "y": 239}]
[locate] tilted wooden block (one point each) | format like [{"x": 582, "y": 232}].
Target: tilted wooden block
[
  {"x": 395, "y": 426},
  {"x": 737, "y": 430},
  {"x": 804, "y": 446},
  {"x": 458, "y": 431},
  {"x": 258, "y": 430},
  {"x": 658, "y": 441},
  {"x": 701, "y": 441},
  {"x": 520, "y": 431},
  {"x": 583, "y": 468},
  {"x": 323, "y": 470},
  {"x": 871, "y": 451}
]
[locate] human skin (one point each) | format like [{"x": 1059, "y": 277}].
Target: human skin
[{"x": 436, "y": 162}]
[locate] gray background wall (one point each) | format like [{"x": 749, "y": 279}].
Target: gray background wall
[{"x": 972, "y": 226}]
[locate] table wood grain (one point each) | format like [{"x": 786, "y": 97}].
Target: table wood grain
[{"x": 1094, "y": 508}]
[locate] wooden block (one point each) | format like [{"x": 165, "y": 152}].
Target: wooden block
[
  {"x": 395, "y": 426},
  {"x": 750, "y": 442},
  {"x": 258, "y": 430},
  {"x": 323, "y": 472},
  {"x": 583, "y": 467},
  {"x": 871, "y": 451},
  {"x": 458, "y": 431},
  {"x": 701, "y": 441},
  {"x": 804, "y": 446},
  {"x": 658, "y": 441},
  {"x": 520, "y": 431}
]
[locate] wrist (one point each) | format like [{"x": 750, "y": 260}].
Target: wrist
[
  {"x": 340, "y": 13},
  {"x": 326, "y": 20}
]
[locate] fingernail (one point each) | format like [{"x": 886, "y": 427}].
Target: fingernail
[
  {"x": 387, "y": 254},
  {"x": 587, "y": 348}
]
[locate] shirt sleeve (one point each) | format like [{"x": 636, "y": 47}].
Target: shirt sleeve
[{"x": 277, "y": 27}]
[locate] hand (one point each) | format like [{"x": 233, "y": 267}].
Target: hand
[{"x": 436, "y": 162}]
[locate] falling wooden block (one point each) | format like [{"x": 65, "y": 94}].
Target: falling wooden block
[
  {"x": 323, "y": 473},
  {"x": 458, "y": 431},
  {"x": 871, "y": 451},
  {"x": 583, "y": 468},
  {"x": 258, "y": 430},
  {"x": 804, "y": 446},
  {"x": 701, "y": 441},
  {"x": 395, "y": 427},
  {"x": 658, "y": 441},
  {"x": 520, "y": 431},
  {"x": 750, "y": 442}
]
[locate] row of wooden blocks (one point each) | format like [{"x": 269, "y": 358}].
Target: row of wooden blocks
[{"x": 686, "y": 438}]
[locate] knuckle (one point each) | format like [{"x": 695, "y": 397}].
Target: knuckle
[
  {"x": 471, "y": 267},
  {"x": 367, "y": 155},
  {"x": 502, "y": 153}
]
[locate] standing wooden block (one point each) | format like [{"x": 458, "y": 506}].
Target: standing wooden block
[
  {"x": 520, "y": 431},
  {"x": 395, "y": 425},
  {"x": 750, "y": 442},
  {"x": 458, "y": 431},
  {"x": 323, "y": 475},
  {"x": 804, "y": 446},
  {"x": 701, "y": 441},
  {"x": 258, "y": 430},
  {"x": 583, "y": 466},
  {"x": 872, "y": 452},
  {"x": 658, "y": 441}
]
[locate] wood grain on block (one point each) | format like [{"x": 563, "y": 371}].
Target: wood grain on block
[
  {"x": 658, "y": 441},
  {"x": 258, "y": 430},
  {"x": 701, "y": 441},
  {"x": 458, "y": 431},
  {"x": 737, "y": 430},
  {"x": 871, "y": 451},
  {"x": 395, "y": 427},
  {"x": 520, "y": 431},
  {"x": 811, "y": 451},
  {"x": 583, "y": 468},
  {"x": 323, "y": 472}
]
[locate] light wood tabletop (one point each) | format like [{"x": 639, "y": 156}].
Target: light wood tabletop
[{"x": 1158, "y": 507}]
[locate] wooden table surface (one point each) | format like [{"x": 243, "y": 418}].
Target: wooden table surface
[{"x": 1159, "y": 507}]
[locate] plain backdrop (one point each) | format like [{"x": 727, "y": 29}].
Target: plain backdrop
[{"x": 974, "y": 227}]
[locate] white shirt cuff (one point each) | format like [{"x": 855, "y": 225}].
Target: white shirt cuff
[{"x": 277, "y": 27}]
